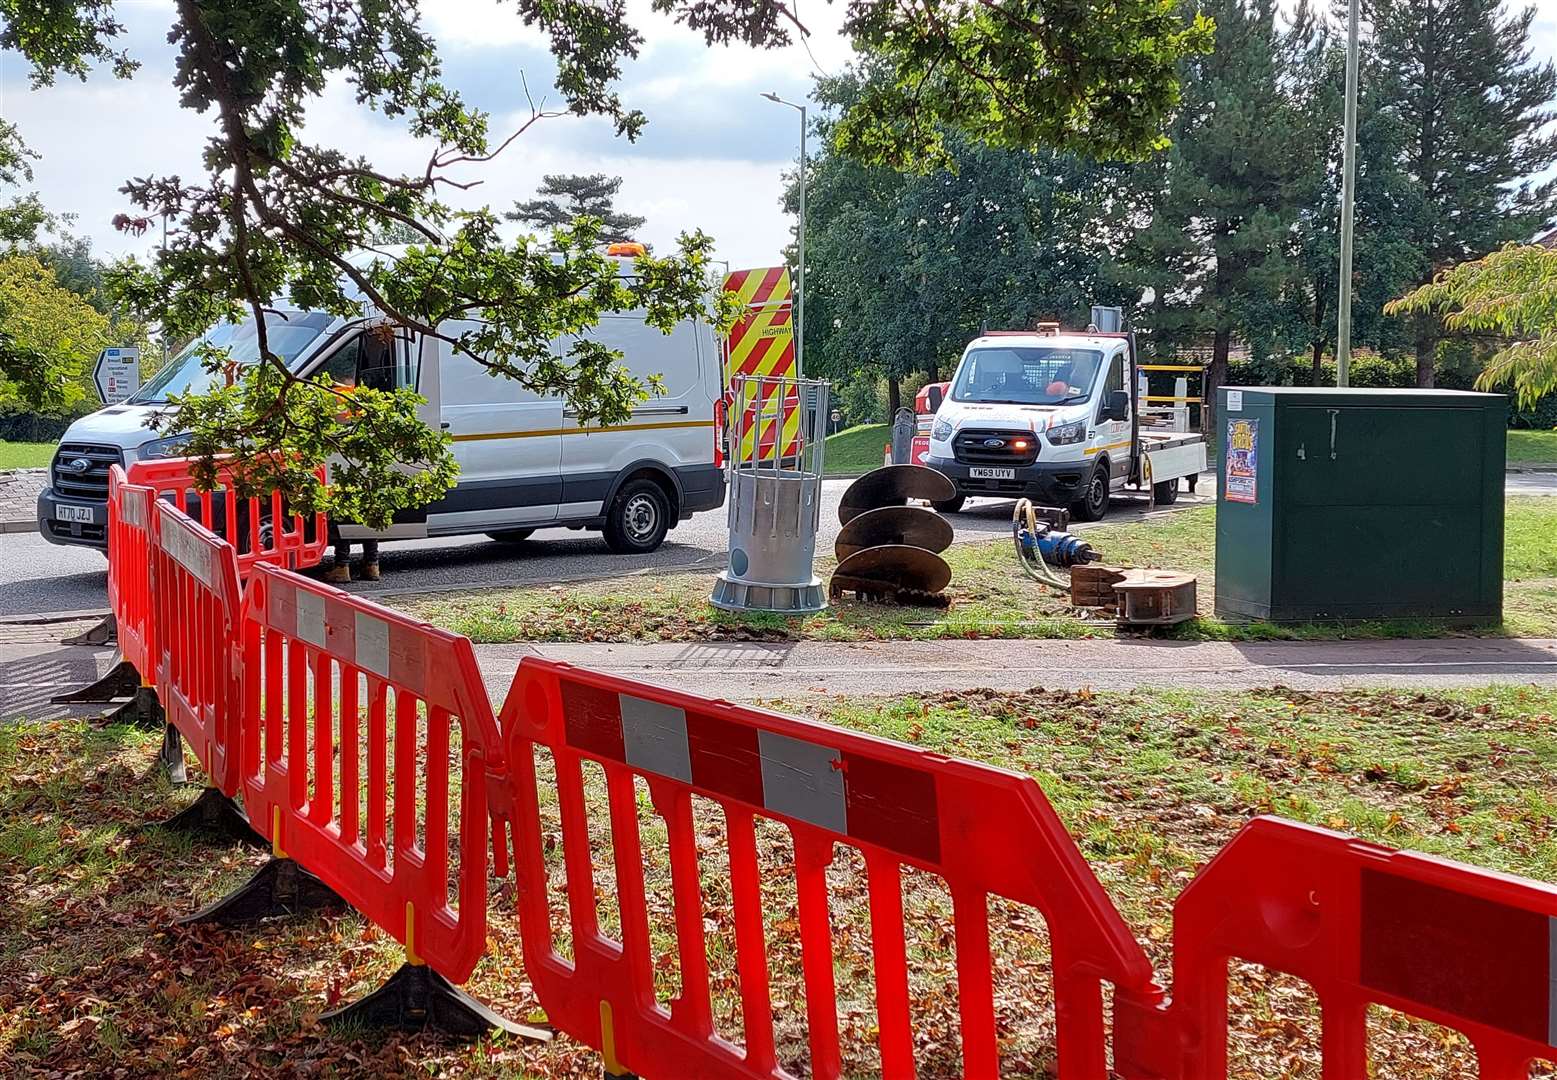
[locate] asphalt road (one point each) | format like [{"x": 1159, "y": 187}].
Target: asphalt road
[{"x": 38, "y": 578}]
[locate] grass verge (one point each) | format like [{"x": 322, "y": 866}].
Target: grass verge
[
  {"x": 856, "y": 449},
  {"x": 94, "y": 979},
  {"x": 1526, "y": 447},
  {"x": 991, "y": 598},
  {"x": 26, "y": 455}
]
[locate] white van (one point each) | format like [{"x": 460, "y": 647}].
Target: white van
[
  {"x": 1055, "y": 417},
  {"x": 525, "y": 461}
]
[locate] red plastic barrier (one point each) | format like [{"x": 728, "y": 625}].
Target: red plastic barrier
[
  {"x": 259, "y": 529},
  {"x": 983, "y": 830},
  {"x": 197, "y": 603},
  {"x": 349, "y": 709},
  {"x": 1470, "y": 949},
  {"x": 129, "y": 571}
]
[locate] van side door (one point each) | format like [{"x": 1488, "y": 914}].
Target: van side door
[
  {"x": 1113, "y": 435},
  {"x": 508, "y": 442}
]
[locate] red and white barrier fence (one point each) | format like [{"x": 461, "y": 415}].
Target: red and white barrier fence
[
  {"x": 196, "y": 603},
  {"x": 1469, "y": 949},
  {"x": 348, "y": 714},
  {"x": 984, "y": 831},
  {"x": 261, "y": 529},
  {"x": 129, "y": 570},
  {"x": 363, "y": 745}
]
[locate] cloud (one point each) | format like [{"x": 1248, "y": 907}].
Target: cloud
[{"x": 711, "y": 157}]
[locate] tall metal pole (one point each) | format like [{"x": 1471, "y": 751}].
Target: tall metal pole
[
  {"x": 800, "y": 269},
  {"x": 800, "y": 254},
  {"x": 1343, "y": 328}
]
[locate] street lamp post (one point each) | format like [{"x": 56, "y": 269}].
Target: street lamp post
[
  {"x": 1343, "y": 326},
  {"x": 800, "y": 254}
]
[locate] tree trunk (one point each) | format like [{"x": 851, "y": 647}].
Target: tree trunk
[
  {"x": 934, "y": 372},
  {"x": 894, "y": 397},
  {"x": 1426, "y": 344},
  {"x": 1216, "y": 375},
  {"x": 1318, "y": 364}
]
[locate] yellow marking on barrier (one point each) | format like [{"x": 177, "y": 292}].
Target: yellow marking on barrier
[
  {"x": 1169, "y": 397},
  {"x": 275, "y": 833},
  {"x": 410, "y": 936},
  {"x": 1170, "y": 367},
  {"x": 483, "y": 436},
  {"x": 1110, "y": 446},
  {"x": 145, "y": 682},
  {"x": 608, "y": 1041}
]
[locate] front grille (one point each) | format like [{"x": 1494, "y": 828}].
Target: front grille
[
  {"x": 90, "y": 484},
  {"x": 968, "y": 447}
]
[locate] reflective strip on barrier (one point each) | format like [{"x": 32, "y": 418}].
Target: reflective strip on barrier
[
  {"x": 259, "y": 528},
  {"x": 350, "y": 709},
  {"x": 196, "y": 599},
  {"x": 1469, "y": 949},
  {"x": 983, "y": 830},
  {"x": 129, "y": 571}
]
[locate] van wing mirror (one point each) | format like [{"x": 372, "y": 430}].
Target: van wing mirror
[{"x": 1118, "y": 405}]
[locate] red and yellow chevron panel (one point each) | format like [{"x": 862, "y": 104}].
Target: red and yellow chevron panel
[{"x": 762, "y": 342}]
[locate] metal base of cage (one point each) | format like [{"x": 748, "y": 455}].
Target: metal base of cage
[{"x": 733, "y": 594}]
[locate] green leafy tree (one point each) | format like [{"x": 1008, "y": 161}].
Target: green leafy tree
[
  {"x": 565, "y": 198},
  {"x": 1475, "y": 118},
  {"x": 1511, "y": 293},
  {"x": 905, "y": 268},
  {"x": 49, "y": 337},
  {"x": 274, "y": 217},
  {"x": 1218, "y": 253}
]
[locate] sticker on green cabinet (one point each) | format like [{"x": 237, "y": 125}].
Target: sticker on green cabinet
[{"x": 1242, "y": 457}]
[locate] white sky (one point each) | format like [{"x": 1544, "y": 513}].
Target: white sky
[{"x": 711, "y": 157}]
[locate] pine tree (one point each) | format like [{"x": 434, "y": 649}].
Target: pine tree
[
  {"x": 1473, "y": 111},
  {"x": 1217, "y": 254},
  {"x": 566, "y": 197}
]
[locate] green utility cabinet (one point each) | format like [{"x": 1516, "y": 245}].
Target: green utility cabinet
[{"x": 1359, "y": 504}]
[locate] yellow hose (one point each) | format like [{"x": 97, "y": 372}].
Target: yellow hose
[{"x": 1036, "y": 569}]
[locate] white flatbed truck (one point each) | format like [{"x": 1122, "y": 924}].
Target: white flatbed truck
[{"x": 1057, "y": 418}]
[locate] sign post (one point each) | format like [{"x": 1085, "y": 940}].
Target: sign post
[{"x": 117, "y": 374}]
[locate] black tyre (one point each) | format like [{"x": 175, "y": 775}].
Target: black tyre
[
  {"x": 949, "y": 506},
  {"x": 1166, "y": 491},
  {"x": 511, "y": 536},
  {"x": 1094, "y": 500},
  {"x": 638, "y": 518}
]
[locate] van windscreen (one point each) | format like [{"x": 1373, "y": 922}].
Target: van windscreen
[
  {"x": 1023, "y": 375},
  {"x": 288, "y": 334}
]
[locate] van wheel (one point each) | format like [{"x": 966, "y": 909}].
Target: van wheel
[
  {"x": 1094, "y": 500},
  {"x": 511, "y": 536},
  {"x": 949, "y": 506},
  {"x": 1165, "y": 492},
  {"x": 638, "y": 519}
]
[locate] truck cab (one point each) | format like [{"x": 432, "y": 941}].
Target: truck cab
[{"x": 1052, "y": 417}]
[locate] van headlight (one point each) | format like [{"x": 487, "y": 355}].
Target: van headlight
[
  {"x": 941, "y": 431},
  {"x": 163, "y": 448},
  {"x": 1072, "y": 432}
]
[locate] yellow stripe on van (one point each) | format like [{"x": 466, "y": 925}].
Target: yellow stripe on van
[
  {"x": 581, "y": 430},
  {"x": 1110, "y": 446}
]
